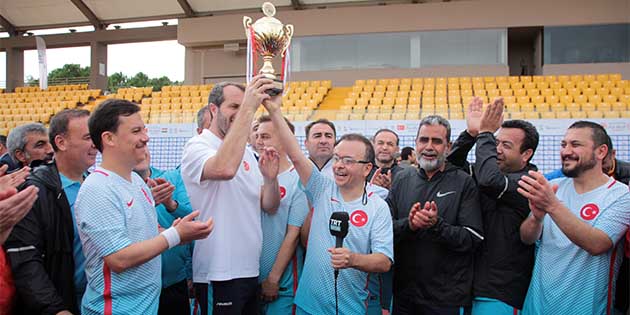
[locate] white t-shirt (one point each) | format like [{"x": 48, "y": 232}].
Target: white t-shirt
[{"x": 233, "y": 248}]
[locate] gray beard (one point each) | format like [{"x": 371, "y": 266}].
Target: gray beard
[{"x": 430, "y": 166}]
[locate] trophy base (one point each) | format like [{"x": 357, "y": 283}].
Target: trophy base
[{"x": 277, "y": 89}]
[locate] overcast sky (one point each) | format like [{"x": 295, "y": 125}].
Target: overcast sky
[{"x": 156, "y": 59}]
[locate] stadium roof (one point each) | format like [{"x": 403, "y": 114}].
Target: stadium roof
[{"x": 18, "y": 16}]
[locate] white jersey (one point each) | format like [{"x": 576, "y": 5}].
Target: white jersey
[{"x": 233, "y": 248}]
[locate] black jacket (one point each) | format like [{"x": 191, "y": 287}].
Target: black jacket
[
  {"x": 434, "y": 266},
  {"x": 503, "y": 264},
  {"x": 40, "y": 249},
  {"x": 7, "y": 159},
  {"x": 622, "y": 171}
]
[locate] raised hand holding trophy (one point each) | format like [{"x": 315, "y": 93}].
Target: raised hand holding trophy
[{"x": 268, "y": 37}]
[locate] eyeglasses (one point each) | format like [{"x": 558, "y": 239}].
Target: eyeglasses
[{"x": 347, "y": 161}]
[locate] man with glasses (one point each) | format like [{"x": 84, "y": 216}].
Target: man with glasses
[
  {"x": 437, "y": 226},
  {"x": 368, "y": 246}
]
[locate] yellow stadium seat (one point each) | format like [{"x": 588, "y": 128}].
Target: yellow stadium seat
[
  {"x": 456, "y": 115},
  {"x": 527, "y": 107},
  {"x": 507, "y": 92},
  {"x": 371, "y": 116},
  {"x": 625, "y": 114},
  {"x": 604, "y": 107},
  {"x": 384, "y": 116},
  {"x": 580, "y": 99},
  {"x": 595, "y": 85},
  {"x": 619, "y": 91},
  {"x": 566, "y": 99},
  {"x": 576, "y": 78},
  {"x": 493, "y": 94},
  {"x": 611, "y": 114},
  {"x": 542, "y": 107},
  {"x": 573, "y": 107},
  {"x": 619, "y": 106},
  {"x": 558, "y": 107},
  {"x": 538, "y": 99},
  {"x": 548, "y": 115},
  {"x": 578, "y": 115},
  {"x": 563, "y": 115},
  {"x": 532, "y": 115},
  {"x": 523, "y": 99},
  {"x": 595, "y": 99},
  {"x": 512, "y": 107},
  {"x": 517, "y": 115},
  {"x": 509, "y": 99},
  {"x": 588, "y": 107},
  {"x": 610, "y": 98},
  {"x": 594, "y": 114}
]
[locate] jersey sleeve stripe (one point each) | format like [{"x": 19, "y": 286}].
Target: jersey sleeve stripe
[{"x": 107, "y": 290}]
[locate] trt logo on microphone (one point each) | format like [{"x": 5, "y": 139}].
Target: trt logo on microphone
[
  {"x": 335, "y": 225},
  {"x": 338, "y": 224}
]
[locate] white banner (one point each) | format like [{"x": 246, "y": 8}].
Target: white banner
[{"x": 43, "y": 64}]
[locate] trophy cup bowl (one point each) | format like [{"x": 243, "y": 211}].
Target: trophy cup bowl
[{"x": 270, "y": 39}]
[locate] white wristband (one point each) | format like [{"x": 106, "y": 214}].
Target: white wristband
[{"x": 172, "y": 237}]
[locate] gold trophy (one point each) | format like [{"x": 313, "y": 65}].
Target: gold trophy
[{"x": 269, "y": 38}]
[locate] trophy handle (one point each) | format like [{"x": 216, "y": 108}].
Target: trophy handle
[
  {"x": 247, "y": 23},
  {"x": 288, "y": 32}
]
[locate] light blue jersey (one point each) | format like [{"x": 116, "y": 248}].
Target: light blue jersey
[
  {"x": 292, "y": 211},
  {"x": 111, "y": 214},
  {"x": 370, "y": 231},
  {"x": 567, "y": 279}
]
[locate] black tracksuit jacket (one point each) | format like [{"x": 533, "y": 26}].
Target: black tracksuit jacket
[
  {"x": 503, "y": 264},
  {"x": 434, "y": 266},
  {"x": 40, "y": 249}
]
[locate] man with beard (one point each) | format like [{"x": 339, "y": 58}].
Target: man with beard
[
  {"x": 28, "y": 143},
  {"x": 503, "y": 263},
  {"x": 319, "y": 142},
  {"x": 385, "y": 147},
  {"x": 117, "y": 222},
  {"x": 225, "y": 181},
  {"x": 577, "y": 221},
  {"x": 437, "y": 227},
  {"x": 51, "y": 278}
]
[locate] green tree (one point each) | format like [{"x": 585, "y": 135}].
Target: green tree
[
  {"x": 117, "y": 80},
  {"x": 139, "y": 80},
  {"x": 69, "y": 71}
]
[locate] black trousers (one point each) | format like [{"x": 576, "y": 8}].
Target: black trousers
[
  {"x": 174, "y": 299},
  {"x": 232, "y": 297},
  {"x": 201, "y": 297}
]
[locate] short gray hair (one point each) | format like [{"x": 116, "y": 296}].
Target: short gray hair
[
  {"x": 216, "y": 95},
  {"x": 200, "y": 116},
  {"x": 17, "y": 137},
  {"x": 436, "y": 120}
]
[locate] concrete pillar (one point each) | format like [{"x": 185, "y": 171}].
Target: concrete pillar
[
  {"x": 98, "y": 66},
  {"x": 15, "y": 68}
]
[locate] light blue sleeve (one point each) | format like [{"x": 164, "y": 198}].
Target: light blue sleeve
[
  {"x": 615, "y": 220},
  {"x": 299, "y": 209},
  {"x": 101, "y": 219},
  {"x": 318, "y": 186},
  {"x": 382, "y": 233}
]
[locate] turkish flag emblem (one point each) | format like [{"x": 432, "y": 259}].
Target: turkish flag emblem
[
  {"x": 283, "y": 192},
  {"x": 246, "y": 166},
  {"x": 589, "y": 211},
  {"x": 359, "y": 218}
]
